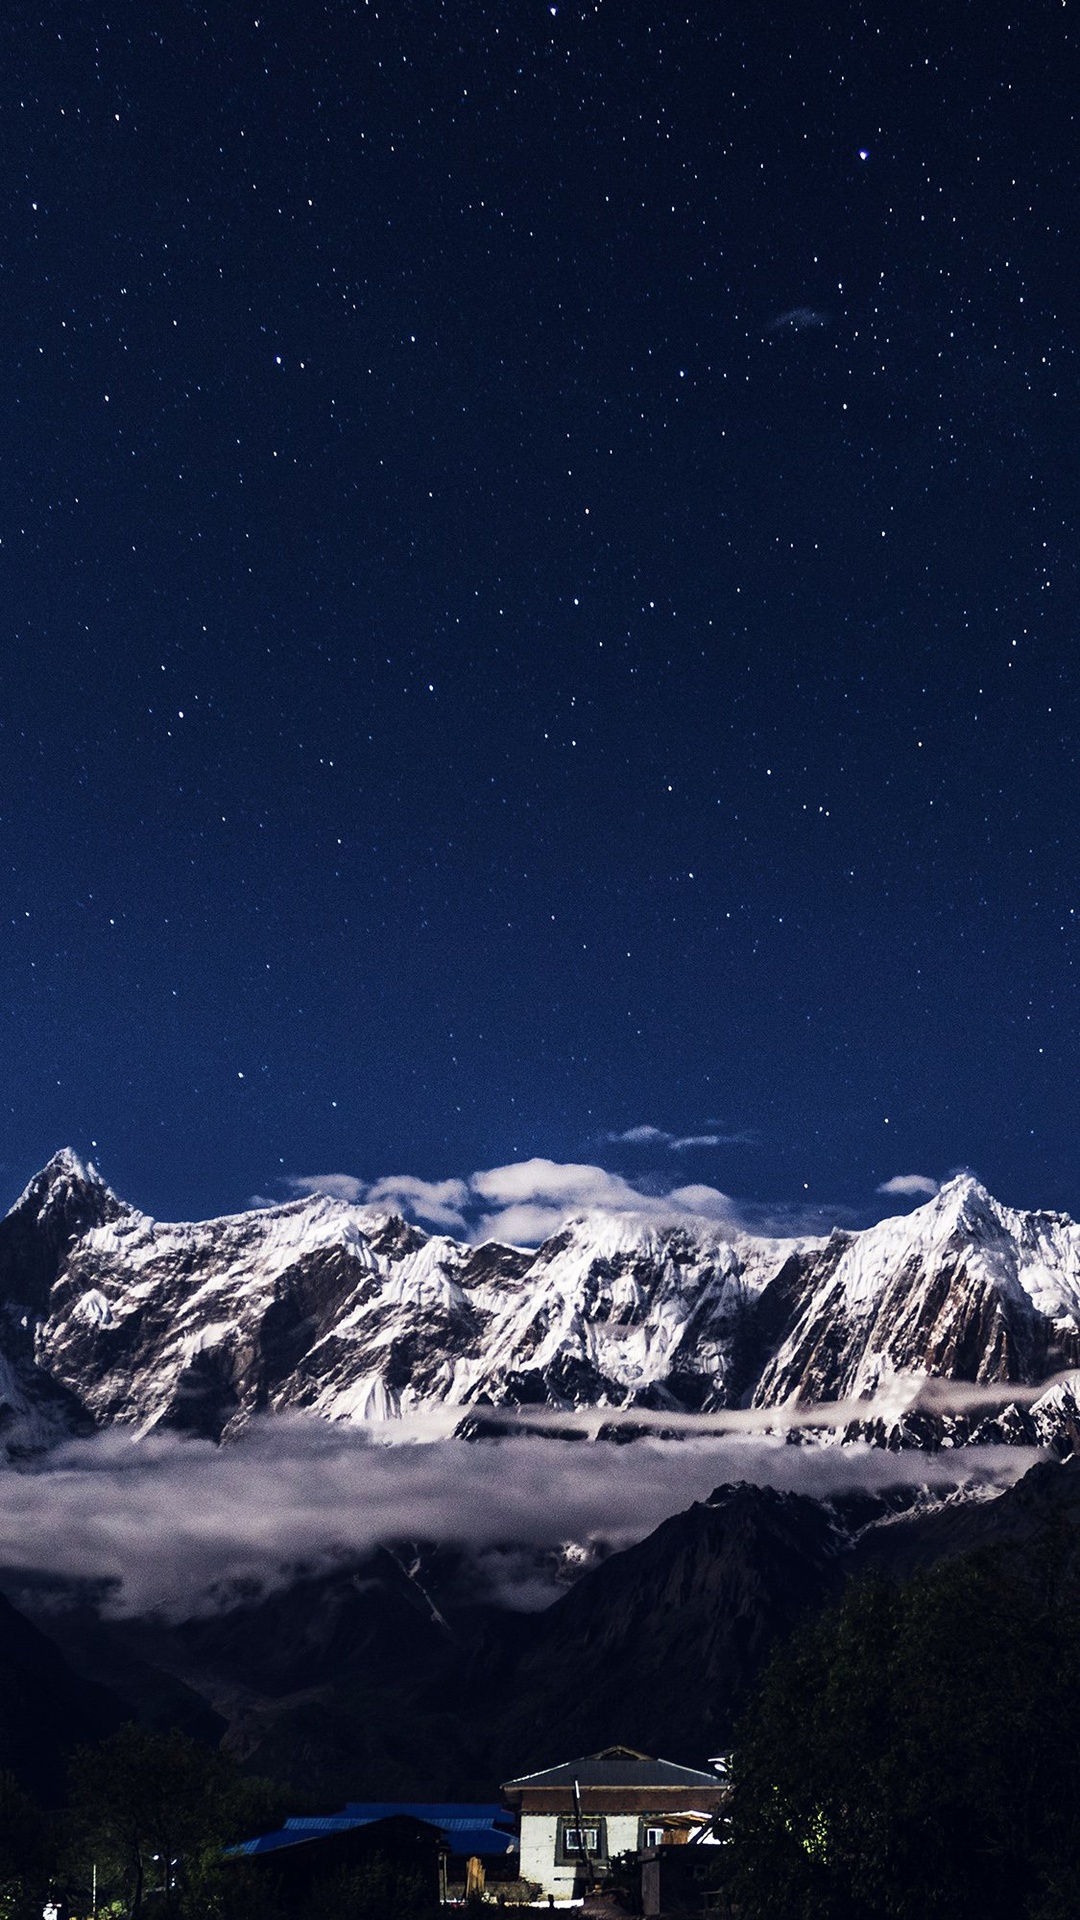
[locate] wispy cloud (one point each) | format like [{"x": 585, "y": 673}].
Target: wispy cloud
[
  {"x": 910, "y": 1185},
  {"x": 339, "y": 1186},
  {"x": 531, "y": 1198},
  {"x": 438, "y": 1203},
  {"x": 646, "y": 1136},
  {"x": 798, "y": 320},
  {"x": 441, "y": 1203}
]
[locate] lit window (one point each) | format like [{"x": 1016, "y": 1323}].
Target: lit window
[{"x": 579, "y": 1840}]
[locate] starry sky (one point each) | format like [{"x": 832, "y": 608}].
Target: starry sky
[{"x": 538, "y": 594}]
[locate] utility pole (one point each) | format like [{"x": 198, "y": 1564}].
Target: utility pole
[{"x": 581, "y": 1835}]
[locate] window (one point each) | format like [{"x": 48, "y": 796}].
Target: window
[
  {"x": 580, "y": 1838},
  {"x": 652, "y": 1833}
]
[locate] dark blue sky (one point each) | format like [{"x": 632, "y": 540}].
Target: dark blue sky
[{"x": 538, "y": 592}]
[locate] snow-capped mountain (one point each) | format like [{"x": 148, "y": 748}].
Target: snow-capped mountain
[{"x": 109, "y": 1316}]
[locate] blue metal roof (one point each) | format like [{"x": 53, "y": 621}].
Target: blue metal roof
[{"x": 469, "y": 1828}]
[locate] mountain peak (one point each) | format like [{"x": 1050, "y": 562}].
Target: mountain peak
[
  {"x": 350, "y": 1314},
  {"x": 964, "y": 1201},
  {"x": 963, "y": 1184},
  {"x": 66, "y": 1164},
  {"x": 54, "y": 1209}
]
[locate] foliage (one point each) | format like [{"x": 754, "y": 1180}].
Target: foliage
[
  {"x": 624, "y": 1881},
  {"x": 24, "y": 1852},
  {"x": 153, "y": 1811},
  {"x": 914, "y": 1753},
  {"x": 375, "y": 1889}
]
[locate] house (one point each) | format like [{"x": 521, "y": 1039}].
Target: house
[
  {"x": 575, "y": 1818},
  {"x": 482, "y": 1843},
  {"x": 310, "y": 1845},
  {"x": 308, "y": 1854}
]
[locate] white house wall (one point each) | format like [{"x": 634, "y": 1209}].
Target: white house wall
[
  {"x": 539, "y": 1832},
  {"x": 622, "y": 1833},
  {"x": 539, "y": 1835}
]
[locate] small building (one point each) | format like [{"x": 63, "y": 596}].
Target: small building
[
  {"x": 468, "y": 1838},
  {"x": 294, "y": 1862},
  {"x": 575, "y": 1818},
  {"x": 481, "y": 1838}
]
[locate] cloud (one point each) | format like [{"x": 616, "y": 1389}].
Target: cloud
[
  {"x": 169, "y": 1521},
  {"x": 909, "y": 1184},
  {"x": 530, "y": 1199},
  {"x": 898, "y": 1395},
  {"x": 440, "y": 1203},
  {"x": 561, "y": 1181},
  {"x": 523, "y": 1203},
  {"x": 523, "y": 1225},
  {"x": 527, "y": 1201},
  {"x": 339, "y": 1186},
  {"x": 798, "y": 320},
  {"x": 646, "y": 1136}
]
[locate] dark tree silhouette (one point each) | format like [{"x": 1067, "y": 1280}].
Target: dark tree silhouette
[
  {"x": 914, "y": 1752},
  {"x": 155, "y": 1810}
]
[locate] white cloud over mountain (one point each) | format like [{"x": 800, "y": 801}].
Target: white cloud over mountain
[
  {"x": 523, "y": 1202},
  {"x": 527, "y": 1200}
]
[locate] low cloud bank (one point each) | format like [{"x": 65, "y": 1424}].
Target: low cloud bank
[{"x": 169, "y": 1520}]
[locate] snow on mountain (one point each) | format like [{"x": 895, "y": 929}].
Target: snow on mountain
[
  {"x": 354, "y": 1315},
  {"x": 962, "y": 1288},
  {"x": 108, "y": 1316}
]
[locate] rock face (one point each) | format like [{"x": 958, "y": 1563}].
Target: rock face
[{"x": 108, "y": 1316}]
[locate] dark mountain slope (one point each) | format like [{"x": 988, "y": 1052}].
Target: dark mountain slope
[
  {"x": 1044, "y": 1505},
  {"x": 45, "y": 1708},
  {"x": 655, "y": 1648},
  {"x": 389, "y": 1678}
]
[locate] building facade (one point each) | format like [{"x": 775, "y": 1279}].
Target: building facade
[{"x": 577, "y": 1817}]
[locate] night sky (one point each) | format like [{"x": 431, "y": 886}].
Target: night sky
[{"x": 538, "y": 594}]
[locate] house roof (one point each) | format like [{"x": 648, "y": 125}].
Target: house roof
[
  {"x": 303, "y": 1833},
  {"x": 483, "y": 1829},
  {"x": 614, "y": 1767}
]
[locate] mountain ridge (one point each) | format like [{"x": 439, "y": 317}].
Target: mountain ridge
[{"x": 350, "y": 1313}]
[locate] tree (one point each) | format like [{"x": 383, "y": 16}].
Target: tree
[
  {"x": 913, "y": 1752},
  {"x": 24, "y": 1851},
  {"x": 153, "y": 1811},
  {"x": 375, "y": 1889}
]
